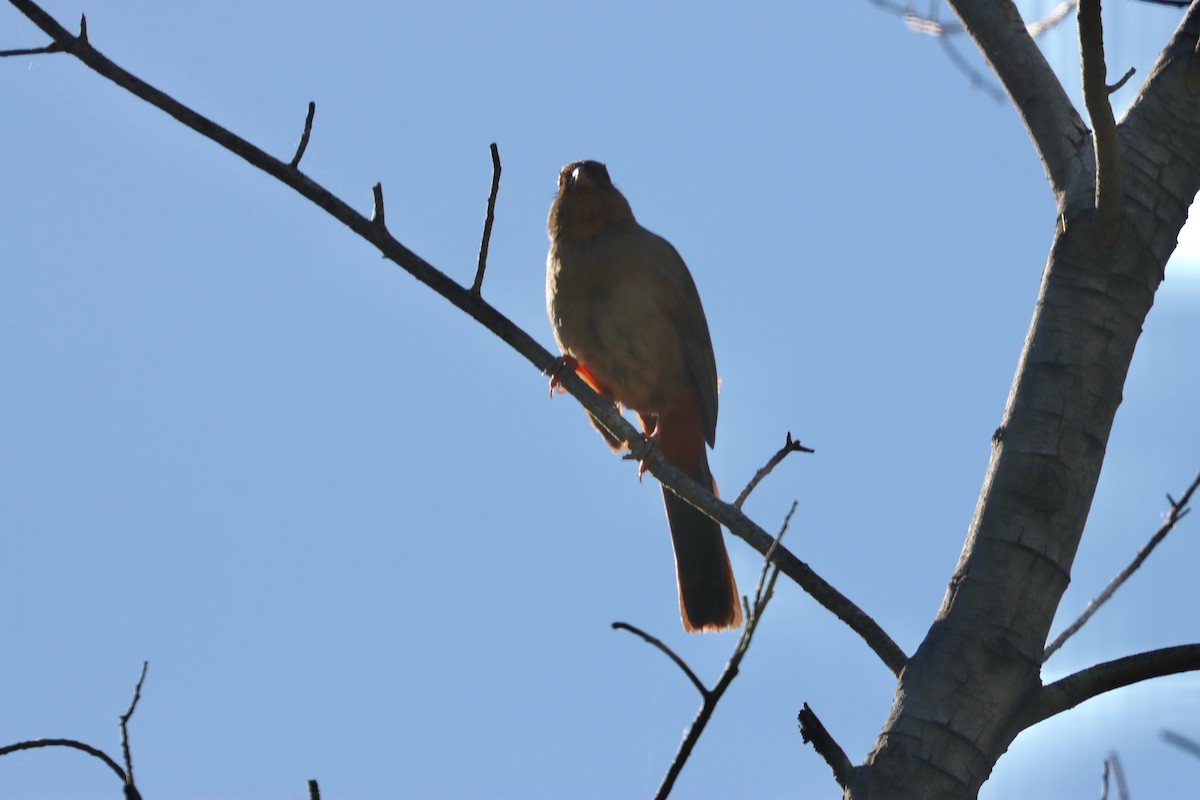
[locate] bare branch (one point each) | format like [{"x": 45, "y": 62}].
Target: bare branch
[
  {"x": 762, "y": 595},
  {"x": 1118, "y": 776},
  {"x": 314, "y": 792},
  {"x": 1104, "y": 125},
  {"x": 300, "y": 148},
  {"x": 812, "y": 731},
  {"x": 1179, "y": 509},
  {"x": 1182, "y": 742},
  {"x": 789, "y": 446},
  {"x": 375, "y": 232},
  {"x": 70, "y": 743},
  {"x": 477, "y": 287},
  {"x": 658, "y": 643},
  {"x": 1124, "y": 79},
  {"x": 137, "y": 695},
  {"x": 1072, "y": 690},
  {"x": 1052, "y": 122}
]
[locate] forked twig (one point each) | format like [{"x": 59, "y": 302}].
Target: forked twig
[
  {"x": 126, "y": 773},
  {"x": 788, "y": 447},
  {"x": 762, "y": 595},
  {"x": 1179, "y": 510}
]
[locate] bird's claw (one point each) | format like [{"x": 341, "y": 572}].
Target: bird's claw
[{"x": 556, "y": 369}]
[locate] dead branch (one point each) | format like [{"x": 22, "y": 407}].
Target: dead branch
[
  {"x": 812, "y": 731},
  {"x": 374, "y": 231},
  {"x": 762, "y": 595},
  {"x": 789, "y": 446},
  {"x": 126, "y": 773},
  {"x": 1179, "y": 509},
  {"x": 303, "y": 145},
  {"x": 488, "y": 219}
]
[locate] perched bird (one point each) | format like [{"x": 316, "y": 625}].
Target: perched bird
[{"x": 627, "y": 317}]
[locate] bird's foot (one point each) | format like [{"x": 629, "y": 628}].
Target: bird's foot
[{"x": 556, "y": 369}]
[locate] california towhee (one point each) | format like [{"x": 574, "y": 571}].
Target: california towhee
[{"x": 627, "y": 317}]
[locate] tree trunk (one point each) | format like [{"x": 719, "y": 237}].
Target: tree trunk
[{"x": 968, "y": 690}]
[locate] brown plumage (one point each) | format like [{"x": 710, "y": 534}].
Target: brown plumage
[{"x": 624, "y": 306}]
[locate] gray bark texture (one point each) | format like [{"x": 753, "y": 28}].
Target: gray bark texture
[{"x": 975, "y": 681}]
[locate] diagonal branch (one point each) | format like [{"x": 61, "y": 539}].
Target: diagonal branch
[
  {"x": 1179, "y": 509},
  {"x": 489, "y": 317},
  {"x": 1052, "y": 122},
  {"x": 789, "y": 446},
  {"x": 1072, "y": 690},
  {"x": 762, "y": 595}
]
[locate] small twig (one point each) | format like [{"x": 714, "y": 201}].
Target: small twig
[
  {"x": 1124, "y": 79},
  {"x": 53, "y": 47},
  {"x": 377, "y": 209},
  {"x": 300, "y": 148},
  {"x": 1104, "y": 125},
  {"x": 762, "y": 595},
  {"x": 137, "y": 695},
  {"x": 1104, "y": 781},
  {"x": 1182, "y": 742},
  {"x": 1179, "y": 510},
  {"x": 788, "y": 447},
  {"x": 71, "y": 743},
  {"x": 477, "y": 287},
  {"x": 314, "y": 793},
  {"x": 655, "y": 642},
  {"x": 813, "y": 732},
  {"x": 1118, "y": 776}
]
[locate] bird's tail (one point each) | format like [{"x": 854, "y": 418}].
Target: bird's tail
[{"x": 708, "y": 595}]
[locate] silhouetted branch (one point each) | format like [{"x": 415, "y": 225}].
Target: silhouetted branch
[
  {"x": 1182, "y": 742},
  {"x": 1068, "y": 692},
  {"x": 671, "y": 654},
  {"x": 126, "y": 773},
  {"x": 300, "y": 148},
  {"x": 375, "y": 231},
  {"x": 490, "y": 217},
  {"x": 1179, "y": 510},
  {"x": 137, "y": 695},
  {"x": 812, "y": 731},
  {"x": 762, "y": 595},
  {"x": 314, "y": 792},
  {"x": 789, "y": 446}
]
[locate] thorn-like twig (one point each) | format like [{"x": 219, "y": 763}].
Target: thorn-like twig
[
  {"x": 671, "y": 654},
  {"x": 814, "y": 733},
  {"x": 789, "y": 446},
  {"x": 1179, "y": 510},
  {"x": 300, "y": 148},
  {"x": 314, "y": 792},
  {"x": 762, "y": 595},
  {"x": 477, "y": 286},
  {"x": 377, "y": 218}
]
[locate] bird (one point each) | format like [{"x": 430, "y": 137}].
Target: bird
[{"x": 628, "y": 319}]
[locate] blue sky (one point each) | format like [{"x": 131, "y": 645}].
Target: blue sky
[{"x": 346, "y": 526}]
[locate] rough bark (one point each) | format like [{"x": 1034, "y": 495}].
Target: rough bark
[{"x": 959, "y": 702}]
